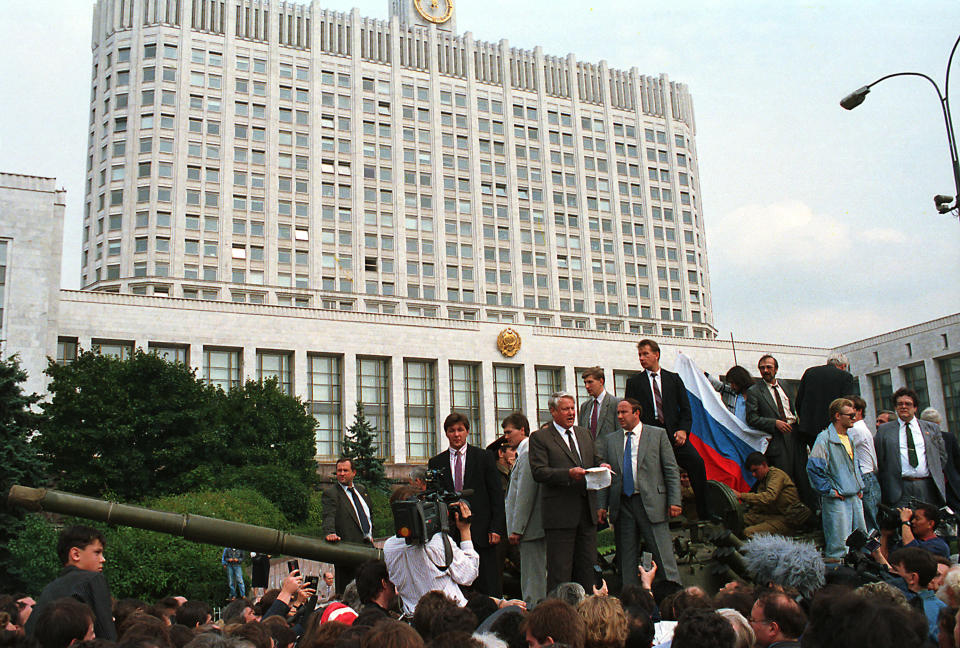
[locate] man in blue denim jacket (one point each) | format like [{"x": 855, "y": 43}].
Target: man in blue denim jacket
[{"x": 835, "y": 475}]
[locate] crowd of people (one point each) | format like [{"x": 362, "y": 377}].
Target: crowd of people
[{"x": 538, "y": 499}]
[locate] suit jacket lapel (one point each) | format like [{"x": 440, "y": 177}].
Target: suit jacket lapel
[
  {"x": 350, "y": 505},
  {"x": 561, "y": 439},
  {"x": 447, "y": 471},
  {"x": 765, "y": 390}
]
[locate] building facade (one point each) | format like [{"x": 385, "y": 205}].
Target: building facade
[
  {"x": 276, "y": 153},
  {"x": 924, "y": 357}
]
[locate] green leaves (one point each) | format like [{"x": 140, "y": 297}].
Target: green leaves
[{"x": 360, "y": 444}]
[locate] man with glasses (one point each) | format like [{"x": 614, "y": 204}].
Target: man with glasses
[
  {"x": 910, "y": 455},
  {"x": 835, "y": 475},
  {"x": 777, "y": 621}
]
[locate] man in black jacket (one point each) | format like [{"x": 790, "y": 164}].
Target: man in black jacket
[
  {"x": 664, "y": 403},
  {"x": 80, "y": 549},
  {"x": 346, "y": 517},
  {"x": 819, "y": 387}
]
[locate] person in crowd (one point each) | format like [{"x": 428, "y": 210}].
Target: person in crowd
[
  {"x": 777, "y": 621},
  {"x": 377, "y": 593},
  {"x": 523, "y": 512},
  {"x": 951, "y": 468},
  {"x": 745, "y": 637},
  {"x": 239, "y": 611},
  {"x": 62, "y": 622},
  {"x": 391, "y": 634},
  {"x": 605, "y": 622},
  {"x": 866, "y": 456},
  {"x": 884, "y": 416},
  {"x": 560, "y": 453},
  {"x": 917, "y": 529},
  {"x": 820, "y": 386},
  {"x": 554, "y": 622},
  {"x": 599, "y": 412},
  {"x": 418, "y": 478},
  {"x": 917, "y": 568},
  {"x": 840, "y": 618},
  {"x": 346, "y": 516},
  {"x": 232, "y": 560},
  {"x": 464, "y": 466},
  {"x": 835, "y": 475},
  {"x": 770, "y": 409},
  {"x": 504, "y": 456},
  {"x": 703, "y": 628},
  {"x": 733, "y": 390},
  {"x": 259, "y": 573},
  {"x": 326, "y": 591},
  {"x": 664, "y": 403},
  {"x": 644, "y": 492},
  {"x": 910, "y": 456},
  {"x": 773, "y": 503},
  {"x": 80, "y": 551},
  {"x": 194, "y": 614}
]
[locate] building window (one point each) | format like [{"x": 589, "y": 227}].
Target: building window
[
  {"x": 66, "y": 350},
  {"x": 507, "y": 390},
  {"x": 117, "y": 349},
  {"x": 549, "y": 380},
  {"x": 950, "y": 379},
  {"x": 326, "y": 387},
  {"x": 465, "y": 396},
  {"x": 420, "y": 390},
  {"x": 176, "y": 353},
  {"x": 620, "y": 379},
  {"x": 221, "y": 367},
  {"x": 373, "y": 393},
  {"x": 882, "y": 388},
  {"x": 276, "y": 364},
  {"x": 915, "y": 377}
]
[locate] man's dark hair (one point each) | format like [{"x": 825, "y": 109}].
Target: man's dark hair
[
  {"x": 193, "y": 613},
  {"x": 124, "y": 608},
  {"x": 144, "y": 631},
  {"x": 79, "y": 536},
  {"x": 636, "y": 596},
  {"x": 840, "y": 618},
  {"x": 180, "y": 635},
  {"x": 740, "y": 600},
  {"x": 858, "y": 403},
  {"x": 352, "y": 636},
  {"x": 391, "y": 634},
  {"x": 755, "y": 459},
  {"x": 456, "y": 417},
  {"x": 429, "y": 606},
  {"x": 234, "y": 610},
  {"x": 739, "y": 378},
  {"x": 370, "y": 579},
  {"x": 507, "y": 627},
  {"x": 661, "y": 589},
  {"x": 282, "y": 635},
  {"x": 594, "y": 372},
  {"x": 255, "y": 633},
  {"x": 906, "y": 391},
  {"x": 517, "y": 420},
  {"x": 647, "y": 342},
  {"x": 260, "y": 607},
  {"x": 691, "y": 598},
  {"x": 558, "y": 620},
  {"x": 345, "y": 460},
  {"x": 481, "y": 605},
  {"x": 634, "y": 405},
  {"x": 776, "y": 365},
  {"x": 457, "y": 639},
  {"x": 62, "y": 621},
  {"x": 640, "y": 626},
  {"x": 932, "y": 513},
  {"x": 917, "y": 561},
  {"x": 786, "y": 612},
  {"x": 703, "y": 628},
  {"x": 453, "y": 619}
]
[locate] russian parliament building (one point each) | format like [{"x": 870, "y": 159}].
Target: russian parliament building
[{"x": 379, "y": 211}]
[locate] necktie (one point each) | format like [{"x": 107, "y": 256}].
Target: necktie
[
  {"x": 364, "y": 522},
  {"x": 593, "y": 418},
  {"x": 573, "y": 446},
  {"x": 911, "y": 447},
  {"x": 627, "y": 468},
  {"x": 657, "y": 398},
  {"x": 458, "y": 473},
  {"x": 780, "y": 412}
]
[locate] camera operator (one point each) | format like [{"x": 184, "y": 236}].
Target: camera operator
[
  {"x": 917, "y": 529},
  {"x": 416, "y": 569}
]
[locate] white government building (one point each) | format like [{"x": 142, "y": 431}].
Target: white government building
[{"x": 361, "y": 208}]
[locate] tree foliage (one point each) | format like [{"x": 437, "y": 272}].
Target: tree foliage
[{"x": 360, "y": 445}]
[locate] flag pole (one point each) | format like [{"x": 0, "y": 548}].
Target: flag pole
[{"x": 734, "y": 347}]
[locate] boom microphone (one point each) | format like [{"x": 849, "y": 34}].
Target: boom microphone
[{"x": 782, "y": 561}]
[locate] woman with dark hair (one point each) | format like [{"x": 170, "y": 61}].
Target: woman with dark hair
[{"x": 737, "y": 381}]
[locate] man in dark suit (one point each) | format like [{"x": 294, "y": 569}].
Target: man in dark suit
[
  {"x": 770, "y": 409},
  {"x": 664, "y": 403},
  {"x": 599, "y": 412},
  {"x": 911, "y": 456},
  {"x": 560, "y": 452},
  {"x": 463, "y": 467},
  {"x": 346, "y": 516},
  {"x": 643, "y": 494},
  {"x": 819, "y": 387}
]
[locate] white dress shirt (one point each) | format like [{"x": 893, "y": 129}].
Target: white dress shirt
[
  {"x": 654, "y": 377},
  {"x": 413, "y": 569},
  {"x": 905, "y": 468},
  {"x": 453, "y": 463},
  {"x": 566, "y": 439},
  {"x": 787, "y": 409},
  {"x": 363, "y": 503},
  {"x": 863, "y": 448},
  {"x": 634, "y": 442}
]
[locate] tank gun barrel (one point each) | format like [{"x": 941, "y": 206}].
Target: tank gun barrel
[{"x": 196, "y": 528}]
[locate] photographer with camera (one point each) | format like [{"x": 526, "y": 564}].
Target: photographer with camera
[{"x": 917, "y": 529}]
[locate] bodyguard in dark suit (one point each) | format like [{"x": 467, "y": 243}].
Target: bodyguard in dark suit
[
  {"x": 819, "y": 387},
  {"x": 667, "y": 406},
  {"x": 770, "y": 409},
  {"x": 465, "y": 467},
  {"x": 346, "y": 516},
  {"x": 560, "y": 452},
  {"x": 643, "y": 494},
  {"x": 599, "y": 412}
]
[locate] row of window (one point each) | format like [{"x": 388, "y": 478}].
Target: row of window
[{"x": 915, "y": 378}]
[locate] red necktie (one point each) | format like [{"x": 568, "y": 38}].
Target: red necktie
[
  {"x": 593, "y": 418},
  {"x": 657, "y": 398},
  {"x": 458, "y": 473}
]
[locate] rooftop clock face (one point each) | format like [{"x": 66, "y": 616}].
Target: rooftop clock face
[{"x": 435, "y": 11}]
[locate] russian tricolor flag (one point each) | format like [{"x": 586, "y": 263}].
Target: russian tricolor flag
[{"x": 723, "y": 440}]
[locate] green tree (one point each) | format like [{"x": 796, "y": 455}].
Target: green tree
[
  {"x": 19, "y": 458},
  {"x": 360, "y": 444}
]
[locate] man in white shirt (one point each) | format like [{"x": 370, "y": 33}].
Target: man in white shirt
[
  {"x": 416, "y": 569},
  {"x": 599, "y": 412},
  {"x": 910, "y": 455},
  {"x": 865, "y": 456}
]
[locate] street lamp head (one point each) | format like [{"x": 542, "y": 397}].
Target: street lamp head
[
  {"x": 855, "y": 98},
  {"x": 943, "y": 203}
]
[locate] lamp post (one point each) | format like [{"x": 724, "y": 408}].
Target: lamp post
[{"x": 944, "y": 204}]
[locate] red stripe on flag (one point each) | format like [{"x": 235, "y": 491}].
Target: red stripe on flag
[{"x": 719, "y": 468}]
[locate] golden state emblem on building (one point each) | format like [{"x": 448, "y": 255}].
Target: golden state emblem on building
[{"x": 508, "y": 342}]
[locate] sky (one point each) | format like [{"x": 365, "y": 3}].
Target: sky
[{"x": 820, "y": 222}]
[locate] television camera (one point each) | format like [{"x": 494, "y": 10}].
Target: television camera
[{"x": 434, "y": 510}]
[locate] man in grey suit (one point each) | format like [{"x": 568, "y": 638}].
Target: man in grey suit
[
  {"x": 524, "y": 519},
  {"x": 599, "y": 412},
  {"x": 910, "y": 455},
  {"x": 644, "y": 493},
  {"x": 560, "y": 452},
  {"x": 770, "y": 408}
]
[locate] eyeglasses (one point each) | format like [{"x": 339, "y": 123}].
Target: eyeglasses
[{"x": 850, "y": 415}]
